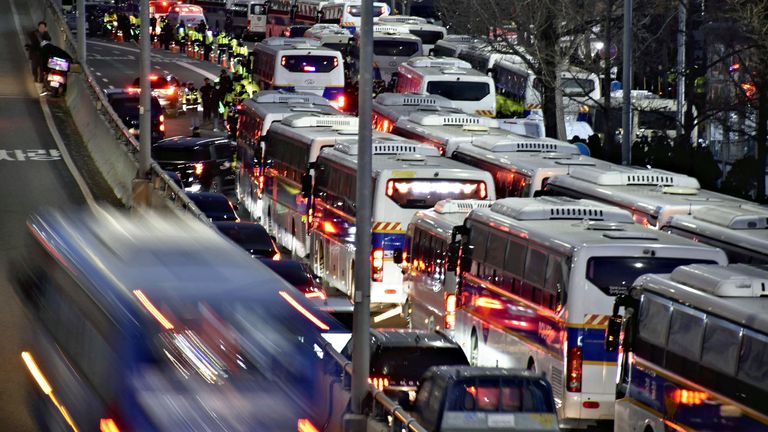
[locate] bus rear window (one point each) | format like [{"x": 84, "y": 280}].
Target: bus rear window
[
  {"x": 459, "y": 90},
  {"x": 309, "y": 63},
  {"x": 577, "y": 86},
  {"x": 393, "y": 48},
  {"x": 377, "y": 11},
  {"x": 425, "y": 193},
  {"x": 257, "y": 9},
  {"x": 507, "y": 394},
  {"x": 614, "y": 275},
  {"x": 429, "y": 37}
]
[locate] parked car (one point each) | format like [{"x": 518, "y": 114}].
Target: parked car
[
  {"x": 252, "y": 237},
  {"x": 126, "y": 106},
  {"x": 216, "y": 206},
  {"x": 465, "y": 398},
  {"x": 202, "y": 163},
  {"x": 399, "y": 358}
]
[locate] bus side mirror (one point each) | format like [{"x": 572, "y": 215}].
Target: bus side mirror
[
  {"x": 613, "y": 333},
  {"x": 397, "y": 256},
  {"x": 453, "y": 255},
  {"x": 306, "y": 185}
]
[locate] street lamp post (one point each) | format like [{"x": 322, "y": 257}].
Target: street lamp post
[{"x": 626, "y": 124}]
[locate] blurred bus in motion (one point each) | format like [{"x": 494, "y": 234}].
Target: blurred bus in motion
[{"x": 160, "y": 324}]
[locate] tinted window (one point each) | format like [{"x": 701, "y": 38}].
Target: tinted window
[
  {"x": 506, "y": 394},
  {"x": 654, "y": 320},
  {"x": 614, "y": 275},
  {"x": 252, "y": 238},
  {"x": 409, "y": 363},
  {"x": 292, "y": 271},
  {"x": 180, "y": 154},
  {"x": 478, "y": 240},
  {"x": 459, "y": 90},
  {"x": 257, "y": 9},
  {"x": 685, "y": 331},
  {"x": 309, "y": 64},
  {"x": 515, "y": 260},
  {"x": 429, "y": 37},
  {"x": 753, "y": 366},
  {"x": 425, "y": 193},
  {"x": 536, "y": 267},
  {"x": 497, "y": 247},
  {"x": 720, "y": 349},
  {"x": 577, "y": 86},
  {"x": 393, "y": 48}
]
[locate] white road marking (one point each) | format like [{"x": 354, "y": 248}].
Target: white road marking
[
  {"x": 98, "y": 73},
  {"x": 388, "y": 314},
  {"x": 105, "y": 80},
  {"x": 156, "y": 67},
  {"x": 115, "y": 52},
  {"x": 32, "y": 155},
  {"x": 198, "y": 70},
  {"x": 52, "y": 126},
  {"x": 108, "y": 45}
]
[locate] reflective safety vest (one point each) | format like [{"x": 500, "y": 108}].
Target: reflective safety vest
[
  {"x": 233, "y": 45},
  {"x": 208, "y": 37},
  {"x": 191, "y": 97}
]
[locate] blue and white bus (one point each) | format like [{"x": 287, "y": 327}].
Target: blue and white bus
[
  {"x": 407, "y": 177},
  {"x": 538, "y": 278},
  {"x": 300, "y": 65},
  {"x": 693, "y": 351},
  {"x": 346, "y": 13}
]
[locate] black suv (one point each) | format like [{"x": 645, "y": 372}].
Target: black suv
[
  {"x": 400, "y": 357},
  {"x": 203, "y": 164},
  {"x": 250, "y": 236},
  {"x": 126, "y": 106}
]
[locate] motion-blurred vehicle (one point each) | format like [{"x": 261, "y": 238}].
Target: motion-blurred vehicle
[
  {"x": 300, "y": 276},
  {"x": 400, "y": 357},
  {"x": 156, "y": 323},
  {"x": 465, "y": 398},
  {"x": 168, "y": 90},
  {"x": 216, "y": 206},
  {"x": 203, "y": 164},
  {"x": 252, "y": 237},
  {"x": 126, "y": 106}
]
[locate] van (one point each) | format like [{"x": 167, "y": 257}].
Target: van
[{"x": 191, "y": 15}]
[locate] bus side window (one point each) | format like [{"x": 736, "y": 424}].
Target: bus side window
[
  {"x": 514, "y": 265},
  {"x": 754, "y": 357},
  {"x": 478, "y": 241},
  {"x": 653, "y": 328},
  {"x": 535, "y": 273}
]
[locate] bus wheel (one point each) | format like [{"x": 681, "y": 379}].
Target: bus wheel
[
  {"x": 473, "y": 350},
  {"x": 531, "y": 365}
]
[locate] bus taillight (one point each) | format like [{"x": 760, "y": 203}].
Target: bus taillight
[
  {"x": 377, "y": 265},
  {"x": 450, "y": 311},
  {"x": 573, "y": 383}
]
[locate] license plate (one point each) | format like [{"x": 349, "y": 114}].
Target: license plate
[{"x": 55, "y": 84}]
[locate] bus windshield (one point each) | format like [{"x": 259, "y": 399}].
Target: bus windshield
[
  {"x": 425, "y": 193},
  {"x": 614, "y": 275},
  {"x": 309, "y": 63},
  {"x": 257, "y": 9},
  {"x": 393, "y": 48},
  {"x": 459, "y": 90}
]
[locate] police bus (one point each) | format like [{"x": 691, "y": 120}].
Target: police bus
[
  {"x": 300, "y": 65},
  {"x": 418, "y": 26},
  {"x": 484, "y": 57},
  {"x": 537, "y": 281},
  {"x": 346, "y": 13},
  {"x": 330, "y": 36},
  {"x": 694, "y": 346},
  {"x": 392, "y": 45},
  {"x": 153, "y": 322},
  {"x": 282, "y": 14},
  {"x": 651, "y": 195},
  {"x": 256, "y": 117},
  {"x": 388, "y": 108},
  {"x": 429, "y": 283},
  {"x": 290, "y": 147},
  {"x": 452, "y": 45},
  {"x": 407, "y": 177},
  {"x": 448, "y": 130},
  {"x": 471, "y": 91},
  {"x": 522, "y": 166},
  {"x": 256, "y": 26},
  {"x": 739, "y": 230}
]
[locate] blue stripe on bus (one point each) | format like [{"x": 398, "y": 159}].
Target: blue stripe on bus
[
  {"x": 592, "y": 342},
  {"x": 652, "y": 390},
  {"x": 333, "y": 93},
  {"x": 387, "y": 241}
]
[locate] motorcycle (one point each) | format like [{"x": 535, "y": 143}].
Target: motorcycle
[{"x": 56, "y": 80}]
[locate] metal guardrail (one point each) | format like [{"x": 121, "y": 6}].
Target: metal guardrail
[{"x": 159, "y": 180}]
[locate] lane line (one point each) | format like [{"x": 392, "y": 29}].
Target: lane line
[
  {"x": 111, "y": 87},
  {"x": 198, "y": 70},
  {"x": 114, "y": 46},
  {"x": 166, "y": 72},
  {"x": 98, "y": 73},
  {"x": 156, "y": 67},
  {"x": 105, "y": 80},
  {"x": 52, "y": 126}
]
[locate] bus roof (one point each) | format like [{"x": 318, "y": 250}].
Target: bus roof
[
  {"x": 566, "y": 224},
  {"x": 743, "y": 225},
  {"x": 277, "y": 111},
  {"x": 530, "y": 162},
  {"x": 447, "y": 215},
  {"x": 399, "y": 105},
  {"x": 734, "y": 292},
  {"x": 298, "y": 48}
]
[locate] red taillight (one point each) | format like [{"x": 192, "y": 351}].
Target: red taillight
[
  {"x": 379, "y": 382},
  {"x": 153, "y": 77},
  {"x": 377, "y": 265},
  {"x": 162, "y": 127},
  {"x": 108, "y": 425},
  {"x": 342, "y": 102},
  {"x": 483, "y": 191},
  {"x": 276, "y": 256},
  {"x": 305, "y": 425},
  {"x": 198, "y": 168},
  {"x": 689, "y": 397},
  {"x": 162, "y": 118},
  {"x": 591, "y": 404},
  {"x": 573, "y": 377},
  {"x": 390, "y": 187},
  {"x": 450, "y": 311},
  {"x": 329, "y": 228}
]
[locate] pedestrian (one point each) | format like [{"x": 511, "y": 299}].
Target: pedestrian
[
  {"x": 192, "y": 104},
  {"x": 35, "y": 38},
  {"x": 207, "y": 96},
  {"x": 153, "y": 26},
  {"x": 225, "y": 81},
  {"x": 166, "y": 34},
  {"x": 218, "y": 103},
  {"x": 124, "y": 26}
]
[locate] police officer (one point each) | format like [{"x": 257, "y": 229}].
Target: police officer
[
  {"x": 192, "y": 102},
  {"x": 181, "y": 36},
  {"x": 207, "y": 44},
  {"x": 222, "y": 44},
  {"x": 232, "y": 47}
]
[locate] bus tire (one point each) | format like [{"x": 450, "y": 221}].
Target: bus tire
[{"x": 474, "y": 349}]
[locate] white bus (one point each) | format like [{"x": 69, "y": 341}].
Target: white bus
[
  {"x": 471, "y": 91},
  {"x": 388, "y": 108},
  {"x": 330, "y": 36},
  {"x": 452, "y": 45},
  {"x": 256, "y": 117},
  {"x": 694, "y": 351},
  {"x": 521, "y": 168},
  {"x": 484, "y": 57},
  {"x": 300, "y": 65},
  {"x": 346, "y": 13},
  {"x": 282, "y": 14},
  {"x": 256, "y": 26},
  {"x": 417, "y": 26},
  {"x": 290, "y": 147},
  {"x": 739, "y": 230},
  {"x": 651, "y": 195},
  {"x": 447, "y": 131},
  {"x": 407, "y": 177},
  {"x": 537, "y": 281},
  {"x": 392, "y": 46},
  {"x": 429, "y": 285}
]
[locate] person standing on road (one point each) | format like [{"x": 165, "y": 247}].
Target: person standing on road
[
  {"x": 225, "y": 81},
  {"x": 192, "y": 105},
  {"x": 181, "y": 36},
  {"x": 166, "y": 33},
  {"x": 207, "y": 95},
  {"x": 35, "y": 37},
  {"x": 218, "y": 103}
]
